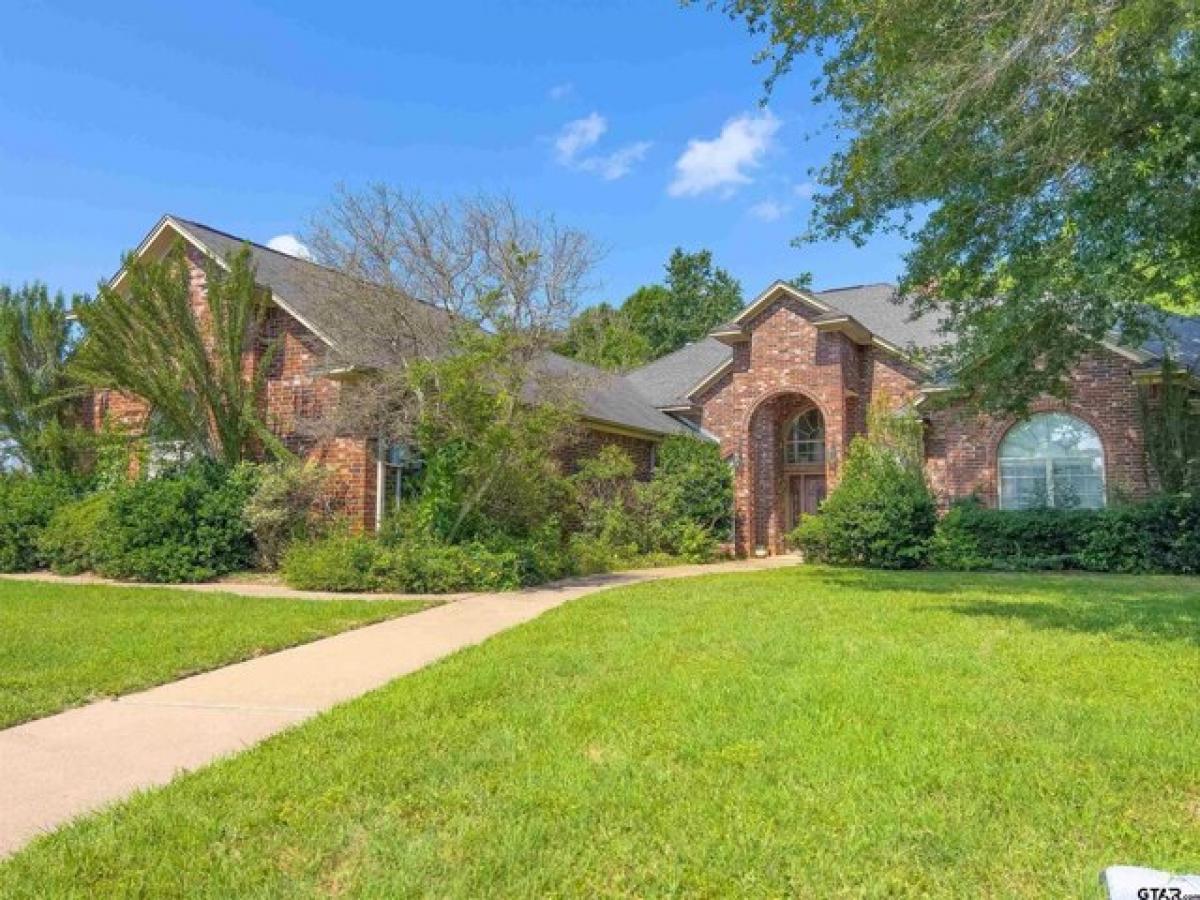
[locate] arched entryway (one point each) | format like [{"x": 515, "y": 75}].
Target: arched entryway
[
  {"x": 789, "y": 454},
  {"x": 803, "y": 458}
]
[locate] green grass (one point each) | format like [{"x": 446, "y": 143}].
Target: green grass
[
  {"x": 63, "y": 645},
  {"x": 798, "y": 732}
]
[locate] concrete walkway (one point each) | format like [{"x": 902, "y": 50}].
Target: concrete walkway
[{"x": 62, "y": 766}]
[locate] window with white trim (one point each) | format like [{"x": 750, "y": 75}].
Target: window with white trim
[
  {"x": 1051, "y": 460},
  {"x": 804, "y": 439}
]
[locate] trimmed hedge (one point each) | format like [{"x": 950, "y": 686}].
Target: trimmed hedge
[{"x": 1161, "y": 535}]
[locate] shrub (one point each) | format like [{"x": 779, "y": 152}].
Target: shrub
[
  {"x": 881, "y": 514},
  {"x": 289, "y": 504},
  {"x": 695, "y": 485},
  {"x": 542, "y": 556},
  {"x": 361, "y": 563},
  {"x": 26, "y": 505},
  {"x": 340, "y": 562},
  {"x": 73, "y": 540},
  {"x": 187, "y": 524},
  {"x": 432, "y": 568},
  {"x": 1162, "y": 535},
  {"x": 681, "y": 512},
  {"x": 693, "y": 542},
  {"x": 971, "y": 536}
]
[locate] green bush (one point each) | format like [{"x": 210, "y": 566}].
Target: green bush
[
  {"x": 73, "y": 540},
  {"x": 695, "y": 485},
  {"x": 693, "y": 542},
  {"x": 27, "y": 504},
  {"x": 340, "y": 562},
  {"x": 362, "y": 563},
  {"x": 187, "y": 524},
  {"x": 289, "y": 504},
  {"x": 683, "y": 511},
  {"x": 971, "y": 536},
  {"x": 1160, "y": 535},
  {"x": 880, "y": 515}
]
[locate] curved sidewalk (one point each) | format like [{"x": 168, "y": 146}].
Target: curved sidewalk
[{"x": 59, "y": 767}]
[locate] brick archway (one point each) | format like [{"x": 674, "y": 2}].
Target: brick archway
[{"x": 766, "y": 484}]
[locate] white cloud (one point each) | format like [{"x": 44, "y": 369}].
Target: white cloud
[
  {"x": 291, "y": 245},
  {"x": 769, "y": 210},
  {"x": 581, "y": 135},
  {"x": 722, "y": 162},
  {"x": 578, "y": 136},
  {"x": 561, "y": 91},
  {"x": 805, "y": 190},
  {"x": 617, "y": 164}
]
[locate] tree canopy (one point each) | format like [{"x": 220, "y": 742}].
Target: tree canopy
[
  {"x": 39, "y": 402},
  {"x": 603, "y": 336},
  {"x": 657, "y": 319},
  {"x": 1041, "y": 155}
]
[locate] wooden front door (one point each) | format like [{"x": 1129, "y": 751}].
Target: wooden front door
[{"x": 805, "y": 493}]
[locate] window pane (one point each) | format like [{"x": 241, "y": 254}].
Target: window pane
[
  {"x": 1023, "y": 484},
  {"x": 1077, "y": 484},
  {"x": 804, "y": 440},
  {"x": 1051, "y": 459}
]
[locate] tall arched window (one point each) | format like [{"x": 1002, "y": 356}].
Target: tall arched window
[
  {"x": 1051, "y": 459},
  {"x": 804, "y": 439}
]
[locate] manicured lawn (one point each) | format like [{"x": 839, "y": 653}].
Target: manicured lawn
[
  {"x": 790, "y": 733},
  {"x": 63, "y": 645}
]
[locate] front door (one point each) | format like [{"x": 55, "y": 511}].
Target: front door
[{"x": 805, "y": 493}]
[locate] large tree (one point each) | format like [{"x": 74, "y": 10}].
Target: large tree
[
  {"x": 144, "y": 338},
  {"x": 603, "y": 336},
  {"x": 1041, "y": 155},
  {"x": 39, "y": 401},
  {"x": 474, "y": 293},
  {"x": 696, "y": 297},
  {"x": 657, "y": 319}
]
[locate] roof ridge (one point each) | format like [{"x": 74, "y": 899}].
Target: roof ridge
[
  {"x": 310, "y": 262},
  {"x": 855, "y": 287},
  {"x": 260, "y": 246}
]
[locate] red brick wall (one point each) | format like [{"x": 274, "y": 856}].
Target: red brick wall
[
  {"x": 295, "y": 392},
  {"x": 788, "y": 363},
  {"x": 961, "y": 447},
  {"x": 591, "y": 441}
]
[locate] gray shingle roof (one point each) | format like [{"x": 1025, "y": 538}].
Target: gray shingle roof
[
  {"x": 1180, "y": 336},
  {"x": 360, "y": 321},
  {"x": 354, "y": 317},
  {"x": 876, "y": 307},
  {"x": 667, "y": 381},
  {"x": 609, "y": 397}
]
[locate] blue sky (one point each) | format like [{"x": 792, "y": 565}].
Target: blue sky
[{"x": 636, "y": 120}]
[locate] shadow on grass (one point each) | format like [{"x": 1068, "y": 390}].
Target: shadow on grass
[
  {"x": 1151, "y": 608},
  {"x": 1161, "y": 618}
]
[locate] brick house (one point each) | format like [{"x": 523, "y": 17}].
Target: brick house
[
  {"x": 783, "y": 389},
  {"x": 786, "y": 385},
  {"x": 327, "y": 331}
]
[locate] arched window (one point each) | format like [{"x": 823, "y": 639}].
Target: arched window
[
  {"x": 804, "y": 439},
  {"x": 1051, "y": 459}
]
